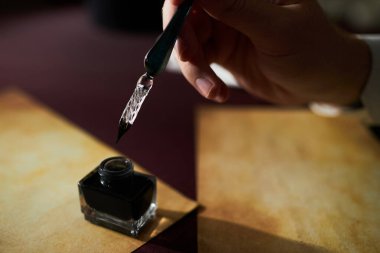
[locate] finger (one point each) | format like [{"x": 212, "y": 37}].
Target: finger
[
  {"x": 187, "y": 45},
  {"x": 168, "y": 10},
  {"x": 193, "y": 65},
  {"x": 201, "y": 23},
  {"x": 186, "y": 42},
  {"x": 199, "y": 74},
  {"x": 204, "y": 80}
]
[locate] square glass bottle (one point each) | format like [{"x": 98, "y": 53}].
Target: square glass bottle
[{"x": 113, "y": 195}]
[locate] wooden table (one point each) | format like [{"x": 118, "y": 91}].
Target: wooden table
[{"x": 286, "y": 181}]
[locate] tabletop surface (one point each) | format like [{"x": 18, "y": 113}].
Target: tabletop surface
[
  {"x": 87, "y": 73},
  {"x": 39, "y": 201},
  {"x": 311, "y": 184}
]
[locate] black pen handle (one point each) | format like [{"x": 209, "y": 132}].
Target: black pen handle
[{"x": 158, "y": 56}]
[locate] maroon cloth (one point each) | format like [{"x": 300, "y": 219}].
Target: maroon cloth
[{"x": 87, "y": 74}]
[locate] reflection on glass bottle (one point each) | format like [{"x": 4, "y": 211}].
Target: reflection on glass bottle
[{"x": 116, "y": 197}]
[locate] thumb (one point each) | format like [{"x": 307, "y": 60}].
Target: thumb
[{"x": 250, "y": 17}]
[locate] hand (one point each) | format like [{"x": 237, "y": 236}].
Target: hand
[{"x": 284, "y": 51}]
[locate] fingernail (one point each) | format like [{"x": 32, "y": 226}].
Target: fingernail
[{"x": 204, "y": 86}]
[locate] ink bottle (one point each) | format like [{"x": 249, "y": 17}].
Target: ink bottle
[{"x": 115, "y": 196}]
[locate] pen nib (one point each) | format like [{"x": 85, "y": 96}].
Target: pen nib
[{"x": 123, "y": 128}]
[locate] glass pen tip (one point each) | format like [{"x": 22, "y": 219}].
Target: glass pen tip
[{"x": 123, "y": 128}]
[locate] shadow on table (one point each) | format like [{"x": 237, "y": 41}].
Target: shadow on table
[
  {"x": 179, "y": 237},
  {"x": 222, "y": 236},
  {"x": 204, "y": 234}
]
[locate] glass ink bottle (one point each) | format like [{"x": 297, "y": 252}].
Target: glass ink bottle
[{"x": 113, "y": 195}]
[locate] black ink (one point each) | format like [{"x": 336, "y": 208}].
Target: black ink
[{"x": 115, "y": 196}]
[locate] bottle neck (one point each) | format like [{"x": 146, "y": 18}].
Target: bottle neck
[{"x": 114, "y": 171}]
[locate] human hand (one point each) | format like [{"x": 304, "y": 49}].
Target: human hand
[{"x": 284, "y": 51}]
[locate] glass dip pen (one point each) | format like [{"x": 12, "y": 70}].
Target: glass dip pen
[{"x": 155, "y": 62}]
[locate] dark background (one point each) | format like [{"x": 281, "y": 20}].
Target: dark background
[{"x": 360, "y": 16}]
